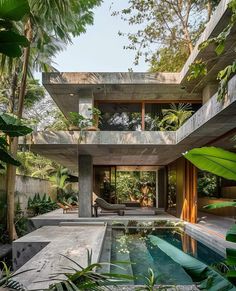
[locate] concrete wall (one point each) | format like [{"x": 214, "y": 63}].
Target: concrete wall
[{"x": 25, "y": 187}]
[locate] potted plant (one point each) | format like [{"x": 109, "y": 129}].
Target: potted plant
[
  {"x": 78, "y": 122},
  {"x": 95, "y": 119}
]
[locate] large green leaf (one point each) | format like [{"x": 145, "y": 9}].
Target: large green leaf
[
  {"x": 7, "y": 158},
  {"x": 220, "y": 205},
  {"x": 13, "y": 126},
  {"x": 199, "y": 272},
  {"x": 214, "y": 160},
  {"x": 231, "y": 257},
  {"x": 231, "y": 234},
  {"x": 13, "y": 9},
  {"x": 16, "y": 130},
  {"x": 11, "y": 43}
]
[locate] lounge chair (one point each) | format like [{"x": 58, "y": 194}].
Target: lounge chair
[
  {"x": 64, "y": 207},
  {"x": 72, "y": 207},
  {"x": 107, "y": 207}
]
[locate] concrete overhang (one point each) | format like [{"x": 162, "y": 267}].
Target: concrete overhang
[
  {"x": 217, "y": 23},
  {"x": 66, "y": 88},
  {"x": 206, "y": 127}
]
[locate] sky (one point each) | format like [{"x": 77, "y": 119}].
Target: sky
[{"x": 100, "y": 49}]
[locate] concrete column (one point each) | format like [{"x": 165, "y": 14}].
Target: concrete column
[
  {"x": 209, "y": 91},
  {"x": 85, "y": 185},
  {"x": 85, "y": 103},
  {"x": 161, "y": 187}
]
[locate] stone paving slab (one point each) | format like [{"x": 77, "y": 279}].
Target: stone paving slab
[
  {"x": 56, "y": 217},
  {"x": 60, "y": 241}
]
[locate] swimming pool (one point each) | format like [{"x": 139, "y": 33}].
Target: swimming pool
[{"x": 134, "y": 245}]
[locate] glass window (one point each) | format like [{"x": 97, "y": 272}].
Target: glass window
[{"x": 120, "y": 116}]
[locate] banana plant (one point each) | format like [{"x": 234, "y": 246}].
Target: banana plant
[
  {"x": 11, "y": 41},
  {"x": 221, "y": 163},
  {"x": 10, "y": 126},
  {"x": 205, "y": 277}
]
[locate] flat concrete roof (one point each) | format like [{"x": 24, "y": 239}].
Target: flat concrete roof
[
  {"x": 66, "y": 87},
  {"x": 212, "y": 124}
]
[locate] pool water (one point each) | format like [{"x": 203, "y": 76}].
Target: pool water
[{"x": 133, "y": 245}]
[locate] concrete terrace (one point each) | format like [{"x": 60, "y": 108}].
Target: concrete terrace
[{"x": 213, "y": 124}]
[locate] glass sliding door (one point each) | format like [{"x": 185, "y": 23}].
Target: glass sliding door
[{"x": 104, "y": 183}]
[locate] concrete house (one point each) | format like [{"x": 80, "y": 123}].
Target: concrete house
[{"x": 120, "y": 146}]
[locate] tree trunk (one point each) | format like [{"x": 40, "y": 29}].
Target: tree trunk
[
  {"x": 11, "y": 176},
  {"x": 209, "y": 9},
  {"x": 13, "y": 144}
]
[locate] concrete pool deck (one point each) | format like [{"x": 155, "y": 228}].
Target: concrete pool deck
[
  {"x": 70, "y": 235},
  {"x": 41, "y": 252},
  {"x": 144, "y": 214},
  {"x": 210, "y": 229}
]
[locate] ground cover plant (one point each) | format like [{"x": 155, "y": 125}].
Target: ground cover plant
[{"x": 41, "y": 204}]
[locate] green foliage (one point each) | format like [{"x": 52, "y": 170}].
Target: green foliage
[
  {"x": 207, "y": 184},
  {"x": 129, "y": 186},
  {"x": 164, "y": 32},
  {"x": 218, "y": 41},
  {"x": 78, "y": 120},
  {"x": 34, "y": 93},
  {"x": 220, "y": 205},
  {"x": 7, "y": 279},
  {"x": 41, "y": 204},
  {"x": 223, "y": 164},
  {"x": 11, "y": 42},
  {"x": 87, "y": 278},
  {"x": 197, "y": 69},
  {"x": 214, "y": 160},
  {"x": 175, "y": 116},
  {"x": 169, "y": 59},
  {"x": 207, "y": 278},
  {"x": 11, "y": 126},
  {"x": 151, "y": 281},
  {"x": 21, "y": 222}
]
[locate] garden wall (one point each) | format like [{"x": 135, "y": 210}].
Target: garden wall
[{"x": 26, "y": 187}]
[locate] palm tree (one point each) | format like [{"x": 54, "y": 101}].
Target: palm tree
[
  {"x": 58, "y": 180},
  {"x": 175, "y": 116},
  {"x": 47, "y": 26}
]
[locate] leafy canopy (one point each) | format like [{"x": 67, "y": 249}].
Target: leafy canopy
[
  {"x": 11, "y": 126},
  {"x": 11, "y": 41},
  {"x": 164, "y": 31}
]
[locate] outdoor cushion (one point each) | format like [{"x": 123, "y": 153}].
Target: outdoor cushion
[{"x": 108, "y": 206}]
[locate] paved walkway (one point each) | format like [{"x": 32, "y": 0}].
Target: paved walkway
[
  {"x": 48, "y": 246},
  {"x": 140, "y": 214},
  {"x": 215, "y": 223},
  {"x": 211, "y": 230}
]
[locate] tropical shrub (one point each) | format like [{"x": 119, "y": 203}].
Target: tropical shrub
[
  {"x": 12, "y": 127},
  {"x": 88, "y": 278},
  {"x": 207, "y": 184},
  {"x": 40, "y": 205},
  {"x": 222, "y": 163}
]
